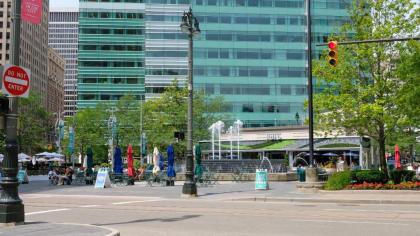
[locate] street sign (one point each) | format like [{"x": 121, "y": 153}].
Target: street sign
[
  {"x": 261, "y": 179},
  {"x": 102, "y": 179},
  {"x": 15, "y": 81},
  {"x": 32, "y": 11}
]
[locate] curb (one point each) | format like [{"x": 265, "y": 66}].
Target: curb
[
  {"x": 317, "y": 200},
  {"x": 114, "y": 232}
]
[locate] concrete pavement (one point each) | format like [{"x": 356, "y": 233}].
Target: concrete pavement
[
  {"x": 63, "y": 229},
  {"x": 226, "y": 208}
]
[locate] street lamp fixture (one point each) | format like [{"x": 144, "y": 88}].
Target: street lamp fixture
[{"x": 190, "y": 26}]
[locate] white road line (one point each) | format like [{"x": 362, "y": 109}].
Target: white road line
[
  {"x": 364, "y": 210},
  {"x": 42, "y": 212},
  {"x": 122, "y": 203},
  {"x": 350, "y": 222},
  {"x": 88, "y": 206}
]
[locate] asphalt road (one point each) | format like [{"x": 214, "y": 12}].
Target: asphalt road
[{"x": 162, "y": 212}]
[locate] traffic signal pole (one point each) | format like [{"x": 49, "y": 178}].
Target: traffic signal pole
[
  {"x": 11, "y": 206},
  {"x": 372, "y": 41}
]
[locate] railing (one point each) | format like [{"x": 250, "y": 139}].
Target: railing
[{"x": 232, "y": 166}]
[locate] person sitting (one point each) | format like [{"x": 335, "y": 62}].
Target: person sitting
[
  {"x": 69, "y": 175},
  {"x": 53, "y": 177}
]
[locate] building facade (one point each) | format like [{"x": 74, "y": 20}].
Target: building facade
[
  {"x": 166, "y": 46},
  {"x": 56, "y": 68},
  {"x": 33, "y": 45},
  {"x": 63, "y": 38},
  {"x": 111, "y": 51},
  {"x": 253, "y": 53}
]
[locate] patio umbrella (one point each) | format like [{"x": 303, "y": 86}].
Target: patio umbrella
[
  {"x": 171, "y": 159},
  {"x": 198, "y": 168},
  {"x": 329, "y": 154},
  {"x": 118, "y": 169},
  {"x": 161, "y": 164},
  {"x": 89, "y": 161},
  {"x": 350, "y": 154},
  {"x": 130, "y": 164},
  {"x": 397, "y": 157},
  {"x": 33, "y": 160},
  {"x": 156, "y": 168}
]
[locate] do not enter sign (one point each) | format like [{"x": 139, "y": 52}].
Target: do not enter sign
[{"x": 15, "y": 81}]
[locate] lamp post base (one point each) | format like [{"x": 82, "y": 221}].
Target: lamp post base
[
  {"x": 12, "y": 213},
  {"x": 189, "y": 190}
]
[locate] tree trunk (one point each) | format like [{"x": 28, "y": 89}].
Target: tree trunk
[{"x": 382, "y": 159}]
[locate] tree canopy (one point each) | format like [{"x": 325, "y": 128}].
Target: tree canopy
[{"x": 372, "y": 90}]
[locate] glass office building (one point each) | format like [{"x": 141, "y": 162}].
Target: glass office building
[
  {"x": 253, "y": 53},
  {"x": 63, "y": 33},
  {"x": 111, "y": 50}
]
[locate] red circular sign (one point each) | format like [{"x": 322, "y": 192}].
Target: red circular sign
[{"x": 16, "y": 80}]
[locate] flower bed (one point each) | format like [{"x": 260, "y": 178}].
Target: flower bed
[{"x": 379, "y": 186}]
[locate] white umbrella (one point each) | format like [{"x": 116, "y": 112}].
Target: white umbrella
[
  {"x": 56, "y": 159},
  {"x": 43, "y": 154},
  {"x": 33, "y": 160},
  {"x": 1, "y": 157},
  {"x": 41, "y": 159},
  {"x": 23, "y": 156}
]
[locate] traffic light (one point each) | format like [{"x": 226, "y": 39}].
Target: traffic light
[{"x": 333, "y": 53}]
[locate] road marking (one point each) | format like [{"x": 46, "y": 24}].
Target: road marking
[
  {"x": 123, "y": 203},
  {"x": 350, "y": 222},
  {"x": 364, "y": 210},
  {"x": 42, "y": 212},
  {"x": 89, "y": 206}
]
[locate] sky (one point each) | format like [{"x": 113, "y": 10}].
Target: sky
[{"x": 64, "y": 3}]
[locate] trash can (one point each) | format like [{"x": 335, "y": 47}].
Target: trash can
[{"x": 301, "y": 174}]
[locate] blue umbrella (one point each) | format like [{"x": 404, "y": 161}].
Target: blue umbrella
[
  {"x": 171, "y": 160},
  {"x": 161, "y": 164},
  {"x": 118, "y": 169},
  {"x": 350, "y": 154}
]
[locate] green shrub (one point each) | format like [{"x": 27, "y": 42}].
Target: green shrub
[
  {"x": 368, "y": 176},
  {"x": 338, "y": 180},
  {"x": 398, "y": 176}
]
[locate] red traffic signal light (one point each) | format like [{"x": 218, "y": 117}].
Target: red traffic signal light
[{"x": 333, "y": 53}]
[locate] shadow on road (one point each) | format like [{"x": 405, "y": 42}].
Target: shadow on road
[{"x": 186, "y": 217}]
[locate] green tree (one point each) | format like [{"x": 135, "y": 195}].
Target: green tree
[
  {"x": 361, "y": 94},
  {"x": 33, "y": 126},
  {"x": 90, "y": 127},
  {"x": 167, "y": 114},
  {"x": 128, "y": 112}
]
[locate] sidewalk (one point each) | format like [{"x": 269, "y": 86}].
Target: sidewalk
[
  {"x": 410, "y": 197},
  {"x": 42, "y": 229}
]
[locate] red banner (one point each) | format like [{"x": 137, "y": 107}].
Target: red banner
[{"x": 32, "y": 11}]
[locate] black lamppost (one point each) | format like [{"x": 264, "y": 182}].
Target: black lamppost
[
  {"x": 297, "y": 117},
  {"x": 11, "y": 206},
  {"x": 310, "y": 87},
  {"x": 190, "y": 26}
]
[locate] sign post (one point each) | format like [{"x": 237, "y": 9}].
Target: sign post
[
  {"x": 15, "y": 81},
  {"x": 11, "y": 207}
]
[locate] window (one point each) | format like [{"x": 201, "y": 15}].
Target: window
[
  {"x": 247, "y": 108},
  {"x": 285, "y": 90},
  {"x": 253, "y": 3}
]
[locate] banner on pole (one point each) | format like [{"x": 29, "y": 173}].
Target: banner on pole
[{"x": 32, "y": 11}]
